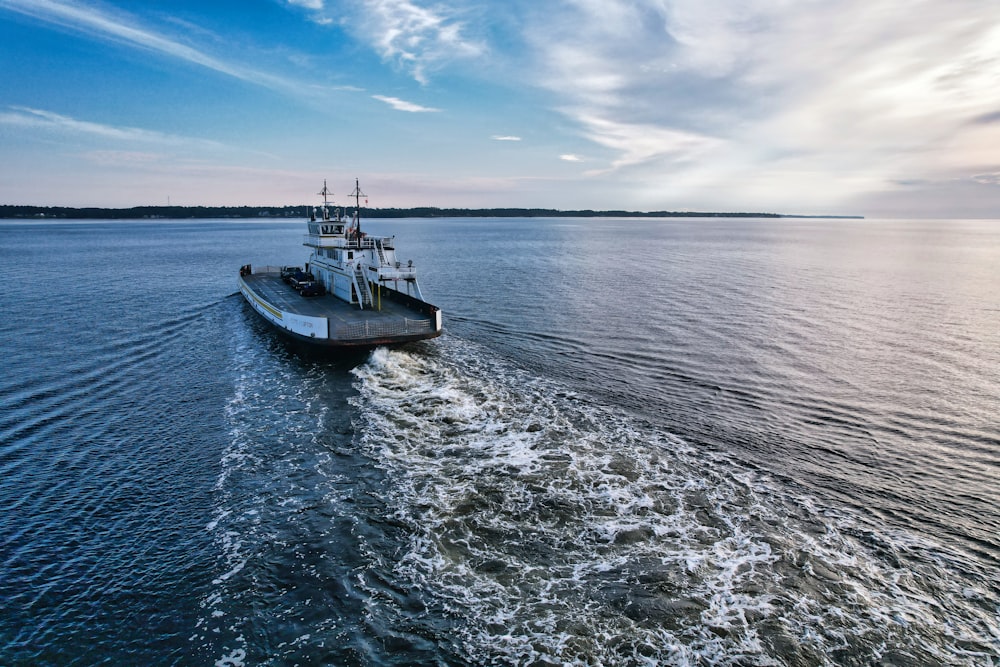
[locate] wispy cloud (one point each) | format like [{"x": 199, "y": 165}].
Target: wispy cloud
[
  {"x": 123, "y": 158},
  {"x": 121, "y": 28},
  {"x": 317, "y": 10},
  {"x": 415, "y": 37},
  {"x": 403, "y": 105},
  {"x": 26, "y": 117},
  {"x": 746, "y": 92},
  {"x": 684, "y": 101},
  {"x": 308, "y": 4}
]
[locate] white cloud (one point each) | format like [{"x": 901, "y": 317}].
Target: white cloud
[
  {"x": 415, "y": 37},
  {"x": 776, "y": 100},
  {"x": 403, "y": 105},
  {"x": 637, "y": 143},
  {"x": 124, "y": 29},
  {"x": 46, "y": 120},
  {"x": 319, "y": 13},
  {"x": 771, "y": 102},
  {"x": 315, "y": 5}
]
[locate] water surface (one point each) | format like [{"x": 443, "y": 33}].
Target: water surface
[{"x": 639, "y": 441}]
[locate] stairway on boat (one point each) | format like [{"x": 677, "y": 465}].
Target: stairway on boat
[{"x": 364, "y": 290}]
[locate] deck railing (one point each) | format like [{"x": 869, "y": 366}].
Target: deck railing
[
  {"x": 400, "y": 327},
  {"x": 366, "y": 243}
]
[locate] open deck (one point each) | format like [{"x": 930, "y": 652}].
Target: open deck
[{"x": 329, "y": 321}]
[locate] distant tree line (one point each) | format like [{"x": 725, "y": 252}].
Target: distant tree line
[
  {"x": 433, "y": 212},
  {"x": 140, "y": 212},
  {"x": 187, "y": 212}
]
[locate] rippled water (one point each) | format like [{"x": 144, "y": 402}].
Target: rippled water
[{"x": 682, "y": 442}]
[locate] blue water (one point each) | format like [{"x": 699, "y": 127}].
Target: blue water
[{"x": 678, "y": 442}]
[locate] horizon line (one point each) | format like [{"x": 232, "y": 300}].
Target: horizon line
[{"x": 73, "y": 212}]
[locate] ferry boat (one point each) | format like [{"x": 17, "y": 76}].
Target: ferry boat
[{"x": 353, "y": 293}]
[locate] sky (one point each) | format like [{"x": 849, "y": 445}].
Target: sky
[{"x": 882, "y": 108}]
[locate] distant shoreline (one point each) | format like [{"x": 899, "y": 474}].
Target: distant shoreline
[{"x": 268, "y": 212}]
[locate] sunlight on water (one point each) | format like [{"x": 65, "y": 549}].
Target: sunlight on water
[
  {"x": 755, "y": 443},
  {"x": 555, "y": 531}
]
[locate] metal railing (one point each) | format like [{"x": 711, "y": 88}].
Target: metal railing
[
  {"x": 400, "y": 327},
  {"x": 366, "y": 243}
]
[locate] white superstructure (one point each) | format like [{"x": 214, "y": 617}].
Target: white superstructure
[{"x": 352, "y": 265}]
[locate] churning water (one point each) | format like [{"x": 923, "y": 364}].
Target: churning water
[{"x": 677, "y": 442}]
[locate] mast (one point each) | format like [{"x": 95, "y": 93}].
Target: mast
[
  {"x": 326, "y": 193},
  {"x": 357, "y": 194}
]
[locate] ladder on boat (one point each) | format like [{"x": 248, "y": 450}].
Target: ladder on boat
[
  {"x": 362, "y": 287},
  {"x": 381, "y": 252}
]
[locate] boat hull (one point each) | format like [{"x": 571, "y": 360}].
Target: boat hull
[{"x": 331, "y": 323}]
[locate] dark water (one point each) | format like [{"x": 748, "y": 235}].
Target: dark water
[{"x": 677, "y": 442}]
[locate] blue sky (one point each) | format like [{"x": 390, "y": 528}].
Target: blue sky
[{"x": 874, "y": 107}]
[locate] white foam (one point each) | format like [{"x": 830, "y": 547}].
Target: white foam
[
  {"x": 238, "y": 522},
  {"x": 239, "y": 566},
  {"x": 234, "y": 659},
  {"x": 546, "y": 524}
]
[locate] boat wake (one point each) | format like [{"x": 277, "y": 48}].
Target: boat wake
[
  {"x": 289, "y": 494},
  {"x": 552, "y": 530},
  {"x": 438, "y": 505}
]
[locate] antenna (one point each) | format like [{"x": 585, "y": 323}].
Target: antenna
[
  {"x": 357, "y": 194},
  {"x": 326, "y": 193}
]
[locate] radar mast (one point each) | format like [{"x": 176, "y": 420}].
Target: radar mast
[
  {"x": 357, "y": 194},
  {"x": 326, "y": 195}
]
